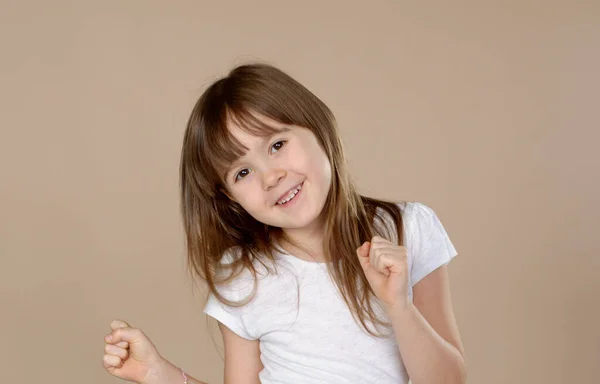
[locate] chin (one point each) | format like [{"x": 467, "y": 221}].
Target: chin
[{"x": 299, "y": 224}]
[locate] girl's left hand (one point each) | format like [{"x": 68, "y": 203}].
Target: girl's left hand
[{"x": 386, "y": 268}]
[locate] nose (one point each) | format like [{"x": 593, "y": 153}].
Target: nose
[{"x": 272, "y": 178}]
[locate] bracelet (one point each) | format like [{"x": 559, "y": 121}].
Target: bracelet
[{"x": 185, "y": 379}]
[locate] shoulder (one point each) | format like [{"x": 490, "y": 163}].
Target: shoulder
[
  {"x": 421, "y": 221},
  {"x": 413, "y": 214},
  {"x": 429, "y": 245},
  {"x": 413, "y": 207},
  {"x": 233, "y": 280},
  {"x": 239, "y": 280}
]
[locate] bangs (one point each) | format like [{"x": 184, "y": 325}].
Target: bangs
[{"x": 222, "y": 147}]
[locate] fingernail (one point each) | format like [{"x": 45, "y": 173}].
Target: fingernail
[{"x": 108, "y": 338}]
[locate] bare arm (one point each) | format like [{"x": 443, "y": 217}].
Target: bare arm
[
  {"x": 242, "y": 362},
  {"x": 242, "y": 358},
  {"x": 427, "y": 334}
]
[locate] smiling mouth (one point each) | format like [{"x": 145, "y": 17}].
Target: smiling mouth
[{"x": 290, "y": 195}]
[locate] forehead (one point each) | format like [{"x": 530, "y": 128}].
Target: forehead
[
  {"x": 244, "y": 138},
  {"x": 245, "y": 135}
]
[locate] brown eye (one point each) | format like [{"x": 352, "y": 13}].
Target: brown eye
[
  {"x": 241, "y": 174},
  {"x": 277, "y": 146}
]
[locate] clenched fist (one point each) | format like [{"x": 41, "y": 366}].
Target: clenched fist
[
  {"x": 130, "y": 355},
  {"x": 386, "y": 268}
]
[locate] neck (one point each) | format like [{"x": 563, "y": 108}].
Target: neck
[{"x": 305, "y": 243}]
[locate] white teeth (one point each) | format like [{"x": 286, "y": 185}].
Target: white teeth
[{"x": 290, "y": 196}]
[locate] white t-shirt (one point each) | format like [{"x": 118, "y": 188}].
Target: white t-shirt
[{"x": 306, "y": 331}]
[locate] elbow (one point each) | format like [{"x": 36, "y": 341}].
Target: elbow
[
  {"x": 461, "y": 375},
  {"x": 457, "y": 375},
  {"x": 453, "y": 373},
  {"x": 462, "y": 379}
]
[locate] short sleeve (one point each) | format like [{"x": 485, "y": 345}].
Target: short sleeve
[
  {"x": 429, "y": 246},
  {"x": 232, "y": 317},
  {"x": 228, "y": 316}
]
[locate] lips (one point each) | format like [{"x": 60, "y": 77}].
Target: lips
[{"x": 291, "y": 193}]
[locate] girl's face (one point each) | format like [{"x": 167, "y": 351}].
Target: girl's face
[{"x": 282, "y": 180}]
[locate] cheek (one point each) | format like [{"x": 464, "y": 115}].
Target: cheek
[
  {"x": 314, "y": 160},
  {"x": 321, "y": 166},
  {"x": 326, "y": 179},
  {"x": 250, "y": 198}
]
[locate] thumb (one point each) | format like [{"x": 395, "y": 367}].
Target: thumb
[{"x": 363, "y": 253}]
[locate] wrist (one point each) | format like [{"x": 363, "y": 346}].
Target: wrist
[
  {"x": 164, "y": 373},
  {"x": 400, "y": 310}
]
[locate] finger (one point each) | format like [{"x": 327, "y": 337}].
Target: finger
[
  {"x": 380, "y": 240},
  {"x": 130, "y": 335},
  {"x": 110, "y": 362},
  {"x": 374, "y": 258},
  {"x": 397, "y": 252},
  {"x": 119, "y": 324},
  {"x": 383, "y": 245},
  {"x": 387, "y": 260},
  {"x": 380, "y": 261},
  {"x": 116, "y": 351},
  {"x": 123, "y": 344}
]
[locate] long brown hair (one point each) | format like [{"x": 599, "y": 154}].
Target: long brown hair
[{"x": 214, "y": 224}]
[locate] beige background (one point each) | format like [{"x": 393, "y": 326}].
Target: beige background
[{"x": 485, "y": 111}]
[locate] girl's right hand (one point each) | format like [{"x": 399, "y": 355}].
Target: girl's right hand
[{"x": 129, "y": 354}]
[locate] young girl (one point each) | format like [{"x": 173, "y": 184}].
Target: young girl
[{"x": 310, "y": 281}]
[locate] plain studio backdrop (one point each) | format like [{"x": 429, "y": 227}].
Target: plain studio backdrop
[{"x": 487, "y": 111}]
